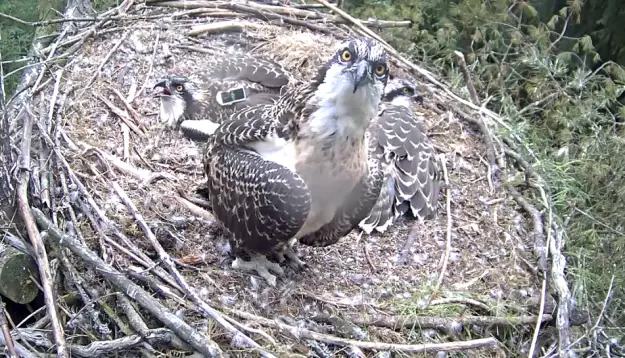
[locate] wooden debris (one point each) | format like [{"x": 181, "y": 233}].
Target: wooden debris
[
  {"x": 200, "y": 342},
  {"x": 18, "y": 275},
  {"x": 6, "y": 332},
  {"x": 35, "y": 238},
  {"x": 404, "y": 348}
]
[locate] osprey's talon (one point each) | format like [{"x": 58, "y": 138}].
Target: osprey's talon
[
  {"x": 294, "y": 261},
  {"x": 289, "y": 256},
  {"x": 262, "y": 266}
]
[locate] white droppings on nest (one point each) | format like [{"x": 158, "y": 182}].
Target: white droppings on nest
[
  {"x": 420, "y": 259},
  {"x": 496, "y": 293}
]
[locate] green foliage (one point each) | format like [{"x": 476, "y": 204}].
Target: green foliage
[
  {"x": 601, "y": 20},
  {"x": 17, "y": 38},
  {"x": 556, "y": 92},
  {"x": 103, "y": 5}
]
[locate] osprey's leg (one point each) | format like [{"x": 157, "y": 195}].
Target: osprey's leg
[
  {"x": 261, "y": 265},
  {"x": 288, "y": 253}
]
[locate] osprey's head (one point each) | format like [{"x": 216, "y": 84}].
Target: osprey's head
[
  {"x": 349, "y": 88},
  {"x": 358, "y": 68},
  {"x": 401, "y": 92},
  {"x": 359, "y": 64},
  {"x": 178, "y": 95}
]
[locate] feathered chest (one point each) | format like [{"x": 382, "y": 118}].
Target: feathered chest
[
  {"x": 331, "y": 157},
  {"x": 330, "y": 144},
  {"x": 336, "y": 157}
]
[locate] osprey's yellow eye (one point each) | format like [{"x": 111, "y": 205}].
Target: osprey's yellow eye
[
  {"x": 346, "y": 55},
  {"x": 380, "y": 70},
  {"x": 179, "y": 88},
  {"x": 406, "y": 90}
]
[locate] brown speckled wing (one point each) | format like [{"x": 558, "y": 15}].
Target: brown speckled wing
[
  {"x": 381, "y": 215},
  {"x": 260, "y": 203},
  {"x": 195, "y": 129},
  {"x": 250, "y": 124},
  {"x": 399, "y": 140},
  {"x": 254, "y": 69},
  {"x": 256, "y": 75},
  {"x": 347, "y": 218}
]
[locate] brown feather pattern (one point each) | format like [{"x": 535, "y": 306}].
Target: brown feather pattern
[
  {"x": 412, "y": 175},
  {"x": 260, "y": 203}
]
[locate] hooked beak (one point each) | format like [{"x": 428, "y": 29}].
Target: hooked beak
[
  {"x": 161, "y": 89},
  {"x": 362, "y": 74}
]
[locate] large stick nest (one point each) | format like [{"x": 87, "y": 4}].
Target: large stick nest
[{"x": 115, "y": 168}]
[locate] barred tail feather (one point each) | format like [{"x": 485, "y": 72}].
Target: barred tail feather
[{"x": 381, "y": 215}]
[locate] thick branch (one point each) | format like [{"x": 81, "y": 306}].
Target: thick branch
[
  {"x": 442, "y": 323},
  {"x": 35, "y": 238},
  {"x": 300, "y": 333}
]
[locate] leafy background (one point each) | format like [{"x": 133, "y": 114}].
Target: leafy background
[{"x": 552, "y": 68}]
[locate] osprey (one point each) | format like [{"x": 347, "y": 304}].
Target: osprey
[
  {"x": 235, "y": 81},
  {"x": 299, "y": 169},
  {"x": 411, "y": 173},
  {"x": 397, "y": 138}
]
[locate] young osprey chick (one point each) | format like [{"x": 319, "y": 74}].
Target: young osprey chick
[
  {"x": 199, "y": 97},
  {"x": 299, "y": 169},
  {"x": 411, "y": 172}
]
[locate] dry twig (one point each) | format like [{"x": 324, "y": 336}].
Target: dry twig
[
  {"x": 35, "y": 239},
  {"x": 121, "y": 114},
  {"x": 223, "y": 26},
  {"x": 540, "y": 248},
  {"x": 6, "y": 332},
  {"x": 442, "y": 323},
  {"x": 539, "y": 322},
  {"x": 467, "y": 78},
  {"x": 105, "y": 60},
  {"x": 445, "y": 257}
]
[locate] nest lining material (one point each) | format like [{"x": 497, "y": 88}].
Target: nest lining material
[{"x": 360, "y": 275}]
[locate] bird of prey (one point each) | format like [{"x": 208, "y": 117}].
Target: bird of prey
[
  {"x": 234, "y": 81},
  {"x": 299, "y": 169},
  {"x": 398, "y": 139},
  {"x": 411, "y": 172}
]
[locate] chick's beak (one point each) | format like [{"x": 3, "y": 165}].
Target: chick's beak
[
  {"x": 362, "y": 74},
  {"x": 161, "y": 89}
]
